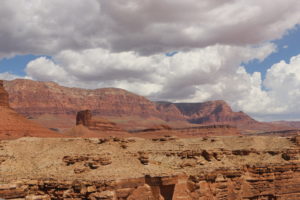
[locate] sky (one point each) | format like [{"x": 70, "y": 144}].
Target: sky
[{"x": 245, "y": 52}]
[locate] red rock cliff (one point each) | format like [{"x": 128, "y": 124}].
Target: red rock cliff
[
  {"x": 33, "y": 98},
  {"x": 3, "y": 96},
  {"x": 13, "y": 125},
  {"x": 212, "y": 112},
  {"x": 219, "y": 112},
  {"x": 85, "y": 118}
]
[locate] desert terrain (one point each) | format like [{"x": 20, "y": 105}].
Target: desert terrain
[
  {"x": 149, "y": 100},
  {"x": 76, "y": 147},
  {"x": 232, "y": 167}
]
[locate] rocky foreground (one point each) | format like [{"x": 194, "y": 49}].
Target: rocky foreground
[{"x": 233, "y": 167}]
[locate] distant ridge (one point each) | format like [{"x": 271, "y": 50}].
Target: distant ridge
[{"x": 36, "y": 98}]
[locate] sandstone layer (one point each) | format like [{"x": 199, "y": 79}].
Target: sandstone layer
[
  {"x": 193, "y": 131},
  {"x": 221, "y": 168},
  {"x": 34, "y": 98},
  {"x": 4, "y": 100},
  {"x": 219, "y": 112},
  {"x": 85, "y": 118},
  {"x": 13, "y": 125},
  {"x": 48, "y": 102},
  {"x": 212, "y": 112}
]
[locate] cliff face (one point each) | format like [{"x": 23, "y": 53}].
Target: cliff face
[
  {"x": 86, "y": 119},
  {"x": 212, "y": 112},
  {"x": 13, "y": 125},
  {"x": 47, "y": 99},
  {"x": 169, "y": 111},
  {"x": 35, "y": 98},
  {"x": 4, "y": 102},
  {"x": 263, "y": 183},
  {"x": 231, "y": 168},
  {"x": 219, "y": 112}
]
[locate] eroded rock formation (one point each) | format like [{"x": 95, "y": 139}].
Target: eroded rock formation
[
  {"x": 193, "y": 131},
  {"x": 13, "y": 125},
  {"x": 95, "y": 124},
  {"x": 212, "y": 112},
  {"x": 221, "y": 168},
  {"x": 32, "y": 98},
  {"x": 3, "y": 96},
  {"x": 263, "y": 182},
  {"x": 84, "y": 118}
]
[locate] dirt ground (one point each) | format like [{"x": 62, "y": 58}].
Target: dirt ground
[{"x": 115, "y": 158}]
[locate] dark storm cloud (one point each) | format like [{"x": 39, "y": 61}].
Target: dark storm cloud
[{"x": 144, "y": 26}]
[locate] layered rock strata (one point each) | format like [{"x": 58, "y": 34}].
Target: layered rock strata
[
  {"x": 261, "y": 182},
  {"x": 13, "y": 125},
  {"x": 4, "y": 100},
  {"x": 193, "y": 131},
  {"x": 221, "y": 168},
  {"x": 95, "y": 124},
  {"x": 35, "y": 99}
]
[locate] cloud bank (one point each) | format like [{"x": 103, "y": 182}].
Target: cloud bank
[
  {"x": 100, "y": 43},
  {"x": 144, "y": 26}
]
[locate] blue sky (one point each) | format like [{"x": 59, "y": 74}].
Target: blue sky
[
  {"x": 288, "y": 46},
  {"x": 16, "y": 65}
]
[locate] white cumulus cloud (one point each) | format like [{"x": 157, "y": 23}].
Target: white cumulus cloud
[
  {"x": 283, "y": 86},
  {"x": 209, "y": 73}
]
